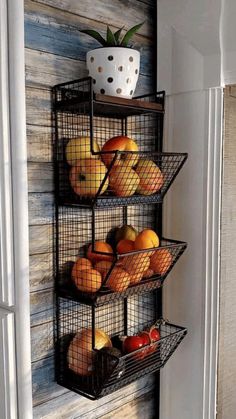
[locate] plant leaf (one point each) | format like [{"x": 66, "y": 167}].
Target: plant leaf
[
  {"x": 95, "y": 35},
  {"x": 117, "y": 35},
  {"x": 129, "y": 34},
  {"x": 111, "y": 40}
]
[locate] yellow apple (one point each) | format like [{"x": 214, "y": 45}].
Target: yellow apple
[
  {"x": 86, "y": 177},
  {"x": 79, "y": 148}
]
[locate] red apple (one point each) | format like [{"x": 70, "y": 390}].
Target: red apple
[{"x": 120, "y": 143}]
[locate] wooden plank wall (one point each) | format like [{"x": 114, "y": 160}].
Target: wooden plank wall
[
  {"x": 226, "y": 403},
  {"x": 55, "y": 52}
]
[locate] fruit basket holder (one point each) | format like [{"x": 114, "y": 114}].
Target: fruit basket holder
[
  {"x": 124, "y": 177},
  {"x": 123, "y": 274},
  {"x": 95, "y": 372}
]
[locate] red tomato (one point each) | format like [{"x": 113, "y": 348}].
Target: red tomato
[
  {"x": 132, "y": 343},
  {"x": 146, "y": 338},
  {"x": 155, "y": 334}
]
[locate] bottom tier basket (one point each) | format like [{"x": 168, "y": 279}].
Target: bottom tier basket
[{"x": 110, "y": 372}]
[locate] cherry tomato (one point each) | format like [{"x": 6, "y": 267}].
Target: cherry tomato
[{"x": 155, "y": 334}]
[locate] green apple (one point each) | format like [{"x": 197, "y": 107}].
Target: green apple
[{"x": 126, "y": 232}]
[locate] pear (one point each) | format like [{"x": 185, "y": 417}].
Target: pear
[{"x": 126, "y": 232}]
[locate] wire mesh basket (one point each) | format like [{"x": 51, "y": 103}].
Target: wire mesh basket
[
  {"x": 92, "y": 355},
  {"x": 95, "y": 266},
  {"x": 107, "y": 153}
]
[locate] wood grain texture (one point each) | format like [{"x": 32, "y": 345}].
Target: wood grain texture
[
  {"x": 39, "y": 143},
  {"x": 41, "y": 239},
  {"x": 111, "y": 13},
  {"x": 141, "y": 407},
  {"x": 55, "y": 52},
  {"x": 72, "y": 406},
  {"x": 60, "y": 34},
  {"x": 227, "y": 333},
  {"x": 41, "y": 271}
]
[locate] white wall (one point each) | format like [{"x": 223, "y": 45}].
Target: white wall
[
  {"x": 189, "y": 69},
  {"x": 182, "y": 378}
]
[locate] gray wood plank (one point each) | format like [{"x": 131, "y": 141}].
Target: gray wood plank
[
  {"x": 41, "y": 208},
  {"x": 44, "y": 385},
  {"x": 46, "y": 70},
  {"x": 42, "y": 341},
  {"x": 41, "y": 271},
  {"x": 70, "y": 405},
  {"x": 39, "y": 108},
  {"x": 60, "y": 34},
  {"x": 39, "y": 141},
  {"x": 41, "y": 239},
  {"x": 142, "y": 407},
  {"x": 40, "y": 177},
  {"x": 42, "y": 306},
  {"x": 117, "y": 13}
]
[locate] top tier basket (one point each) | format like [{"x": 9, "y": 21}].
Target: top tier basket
[{"x": 110, "y": 178}]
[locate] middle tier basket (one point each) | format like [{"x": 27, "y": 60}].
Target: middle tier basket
[{"x": 109, "y": 275}]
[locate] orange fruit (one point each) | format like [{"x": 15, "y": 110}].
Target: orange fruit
[
  {"x": 161, "y": 261},
  {"x": 125, "y": 246},
  {"x": 119, "y": 280},
  {"x": 100, "y": 247},
  {"x": 87, "y": 280},
  {"x": 147, "y": 239},
  {"x": 79, "y": 265},
  {"x": 136, "y": 264},
  {"x": 148, "y": 273},
  {"x": 103, "y": 266},
  {"x": 136, "y": 278}
]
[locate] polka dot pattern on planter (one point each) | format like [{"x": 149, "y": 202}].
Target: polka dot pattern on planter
[{"x": 114, "y": 70}]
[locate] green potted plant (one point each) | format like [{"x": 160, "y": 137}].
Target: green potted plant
[{"x": 114, "y": 67}]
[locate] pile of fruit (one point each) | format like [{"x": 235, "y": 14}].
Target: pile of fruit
[
  {"x": 82, "y": 359},
  {"x": 129, "y": 173},
  {"x": 88, "y": 274}
]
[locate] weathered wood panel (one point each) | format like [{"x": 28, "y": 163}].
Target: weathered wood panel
[
  {"x": 226, "y": 405},
  {"x": 40, "y": 177},
  {"x": 55, "y": 52},
  {"x": 60, "y": 35},
  {"x": 74, "y": 406},
  {"x": 42, "y": 341},
  {"x": 112, "y": 13},
  {"x": 39, "y": 113},
  {"x": 41, "y": 208},
  {"x": 41, "y": 239},
  {"x": 139, "y": 408},
  {"x": 41, "y": 271},
  {"x": 43, "y": 380},
  {"x": 39, "y": 143},
  {"x": 38, "y": 301}
]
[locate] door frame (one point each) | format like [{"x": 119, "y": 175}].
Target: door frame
[{"x": 14, "y": 197}]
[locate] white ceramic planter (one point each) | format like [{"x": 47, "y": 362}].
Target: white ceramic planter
[{"x": 114, "y": 70}]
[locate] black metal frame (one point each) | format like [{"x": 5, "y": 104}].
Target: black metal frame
[
  {"x": 111, "y": 372},
  {"x": 75, "y": 102}
]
